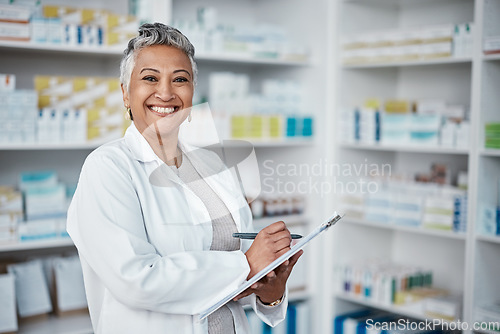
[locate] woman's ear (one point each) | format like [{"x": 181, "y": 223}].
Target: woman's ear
[{"x": 126, "y": 100}]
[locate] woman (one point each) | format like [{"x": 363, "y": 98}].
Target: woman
[{"x": 155, "y": 254}]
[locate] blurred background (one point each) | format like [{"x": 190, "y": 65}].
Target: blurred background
[{"x": 385, "y": 110}]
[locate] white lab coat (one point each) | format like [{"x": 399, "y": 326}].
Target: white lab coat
[{"x": 144, "y": 242}]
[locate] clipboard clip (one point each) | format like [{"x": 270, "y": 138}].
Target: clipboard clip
[{"x": 333, "y": 220}]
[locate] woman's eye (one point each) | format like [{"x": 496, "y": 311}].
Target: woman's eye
[
  {"x": 181, "y": 79},
  {"x": 149, "y": 78}
]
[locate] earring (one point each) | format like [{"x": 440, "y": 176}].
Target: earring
[
  {"x": 190, "y": 117},
  {"x": 127, "y": 113}
]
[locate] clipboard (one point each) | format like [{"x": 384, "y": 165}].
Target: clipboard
[{"x": 298, "y": 246}]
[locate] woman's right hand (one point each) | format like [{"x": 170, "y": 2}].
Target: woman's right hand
[{"x": 271, "y": 242}]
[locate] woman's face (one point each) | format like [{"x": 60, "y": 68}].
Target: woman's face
[{"x": 160, "y": 91}]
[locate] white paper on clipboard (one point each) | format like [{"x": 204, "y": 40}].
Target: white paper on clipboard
[{"x": 298, "y": 246}]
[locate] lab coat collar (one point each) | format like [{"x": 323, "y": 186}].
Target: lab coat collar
[
  {"x": 142, "y": 151},
  {"x": 139, "y": 146}
]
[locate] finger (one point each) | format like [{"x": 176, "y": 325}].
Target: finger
[
  {"x": 285, "y": 234},
  {"x": 281, "y": 244},
  {"x": 275, "y": 227},
  {"x": 293, "y": 260},
  {"x": 242, "y": 295},
  {"x": 271, "y": 274},
  {"x": 282, "y": 267},
  {"x": 289, "y": 264},
  {"x": 296, "y": 257}
]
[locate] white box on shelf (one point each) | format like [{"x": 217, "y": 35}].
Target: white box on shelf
[
  {"x": 40, "y": 229},
  {"x": 8, "y": 316},
  {"x": 69, "y": 286},
  {"x": 49, "y": 126},
  {"x": 32, "y": 293},
  {"x": 8, "y": 234},
  {"x": 39, "y": 30},
  {"x": 491, "y": 45},
  {"x": 15, "y": 13},
  {"x": 15, "y": 31},
  {"x": 488, "y": 313},
  {"x": 444, "y": 307},
  {"x": 487, "y": 219},
  {"x": 463, "y": 135},
  {"x": 7, "y": 82},
  {"x": 44, "y": 202},
  {"x": 447, "y": 135},
  {"x": 436, "y": 50}
]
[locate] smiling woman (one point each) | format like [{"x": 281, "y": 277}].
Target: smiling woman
[
  {"x": 161, "y": 86},
  {"x": 152, "y": 217}
]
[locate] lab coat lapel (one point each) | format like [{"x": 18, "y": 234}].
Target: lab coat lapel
[
  {"x": 218, "y": 177},
  {"x": 161, "y": 175}
]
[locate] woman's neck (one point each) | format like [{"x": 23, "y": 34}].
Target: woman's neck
[{"x": 165, "y": 147}]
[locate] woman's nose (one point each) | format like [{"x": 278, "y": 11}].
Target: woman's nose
[{"x": 164, "y": 91}]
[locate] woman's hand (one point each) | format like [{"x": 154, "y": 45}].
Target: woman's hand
[
  {"x": 271, "y": 242},
  {"x": 272, "y": 287}
]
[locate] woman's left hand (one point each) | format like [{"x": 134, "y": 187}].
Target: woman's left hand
[{"x": 272, "y": 287}]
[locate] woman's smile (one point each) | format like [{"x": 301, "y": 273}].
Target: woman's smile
[{"x": 163, "y": 111}]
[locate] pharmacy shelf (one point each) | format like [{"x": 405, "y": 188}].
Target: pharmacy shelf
[
  {"x": 117, "y": 51},
  {"x": 61, "y": 49},
  {"x": 236, "y": 142},
  {"x": 400, "y": 148},
  {"x": 404, "y": 310},
  {"x": 65, "y": 324},
  {"x": 27, "y": 245},
  {"x": 488, "y": 238},
  {"x": 491, "y": 57},
  {"x": 409, "y": 229},
  {"x": 440, "y": 61},
  {"x": 485, "y": 331},
  {"x": 93, "y": 145},
  {"x": 297, "y": 295},
  {"x": 40, "y": 147},
  {"x": 249, "y": 59},
  {"x": 490, "y": 152},
  {"x": 288, "y": 219}
]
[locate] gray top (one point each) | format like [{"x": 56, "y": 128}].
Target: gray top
[{"x": 223, "y": 225}]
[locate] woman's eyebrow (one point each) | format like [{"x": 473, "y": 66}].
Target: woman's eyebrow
[
  {"x": 177, "y": 71},
  {"x": 149, "y": 69}
]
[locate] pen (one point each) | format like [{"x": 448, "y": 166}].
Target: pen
[{"x": 253, "y": 235}]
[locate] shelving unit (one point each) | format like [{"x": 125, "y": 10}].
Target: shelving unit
[
  {"x": 438, "y": 61},
  {"x": 35, "y": 245},
  {"x": 487, "y": 238},
  {"x": 408, "y": 149},
  {"x": 401, "y": 310},
  {"x": 118, "y": 51},
  {"x": 490, "y": 153},
  {"x": 495, "y": 57},
  {"x": 67, "y": 324},
  {"x": 464, "y": 263},
  {"x": 408, "y": 229}
]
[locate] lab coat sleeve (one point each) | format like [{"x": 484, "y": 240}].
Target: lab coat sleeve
[
  {"x": 106, "y": 225},
  {"x": 271, "y": 315}
]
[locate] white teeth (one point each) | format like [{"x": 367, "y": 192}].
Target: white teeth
[{"x": 163, "y": 110}]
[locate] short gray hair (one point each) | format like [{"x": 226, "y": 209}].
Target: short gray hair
[{"x": 154, "y": 34}]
